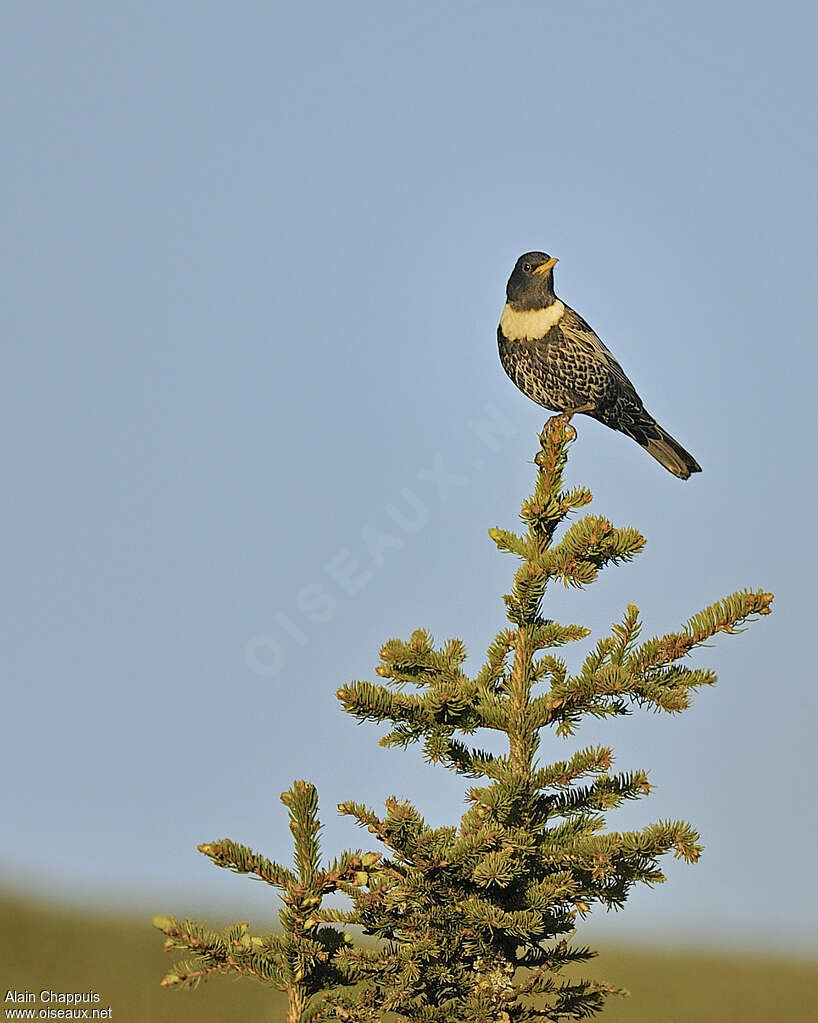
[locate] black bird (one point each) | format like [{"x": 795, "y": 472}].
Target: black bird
[{"x": 557, "y": 360}]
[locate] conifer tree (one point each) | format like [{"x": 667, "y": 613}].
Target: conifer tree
[{"x": 474, "y": 922}]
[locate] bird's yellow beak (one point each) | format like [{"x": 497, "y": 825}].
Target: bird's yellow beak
[{"x": 549, "y": 264}]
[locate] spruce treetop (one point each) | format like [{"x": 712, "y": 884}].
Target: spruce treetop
[{"x": 474, "y": 922}]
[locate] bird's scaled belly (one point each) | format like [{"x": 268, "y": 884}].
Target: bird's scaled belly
[{"x": 543, "y": 382}]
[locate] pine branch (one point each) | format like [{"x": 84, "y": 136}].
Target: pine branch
[
  {"x": 588, "y": 546},
  {"x": 232, "y": 950},
  {"x": 302, "y": 802},
  {"x": 560, "y": 775},
  {"x": 242, "y": 860},
  {"x": 306, "y": 959}
]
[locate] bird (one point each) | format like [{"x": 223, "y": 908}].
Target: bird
[{"x": 556, "y": 359}]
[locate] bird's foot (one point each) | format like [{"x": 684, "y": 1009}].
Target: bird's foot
[
  {"x": 563, "y": 419},
  {"x": 560, "y": 424}
]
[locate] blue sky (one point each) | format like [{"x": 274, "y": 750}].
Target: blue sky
[{"x": 252, "y": 264}]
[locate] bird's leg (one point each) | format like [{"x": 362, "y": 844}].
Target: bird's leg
[{"x": 566, "y": 416}]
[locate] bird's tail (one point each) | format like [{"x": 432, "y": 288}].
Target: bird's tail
[{"x": 664, "y": 448}]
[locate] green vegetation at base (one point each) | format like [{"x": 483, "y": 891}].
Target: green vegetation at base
[
  {"x": 681, "y": 986},
  {"x": 118, "y": 957}
]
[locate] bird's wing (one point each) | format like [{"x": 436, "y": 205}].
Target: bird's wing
[{"x": 577, "y": 332}]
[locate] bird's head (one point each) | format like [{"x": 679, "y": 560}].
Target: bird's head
[{"x": 531, "y": 285}]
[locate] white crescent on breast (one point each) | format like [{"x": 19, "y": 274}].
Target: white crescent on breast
[{"x": 530, "y": 324}]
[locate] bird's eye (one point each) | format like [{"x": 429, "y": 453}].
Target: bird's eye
[{"x": 527, "y": 267}]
